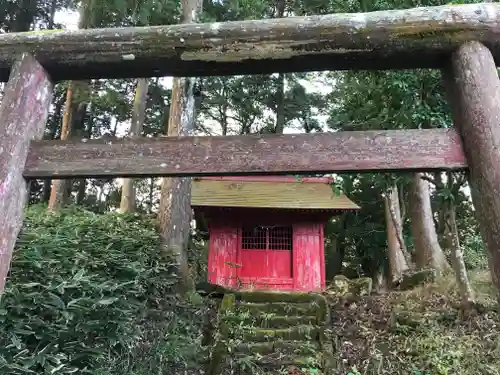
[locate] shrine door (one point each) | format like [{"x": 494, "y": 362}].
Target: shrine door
[{"x": 265, "y": 256}]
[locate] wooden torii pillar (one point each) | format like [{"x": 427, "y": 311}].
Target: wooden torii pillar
[
  {"x": 474, "y": 92},
  {"x": 23, "y": 115}
]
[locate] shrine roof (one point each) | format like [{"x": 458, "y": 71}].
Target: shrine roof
[{"x": 275, "y": 192}]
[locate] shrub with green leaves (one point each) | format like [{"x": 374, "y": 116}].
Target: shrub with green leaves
[{"x": 83, "y": 288}]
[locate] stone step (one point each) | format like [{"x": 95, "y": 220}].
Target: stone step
[
  {"x": 293, "y": 347},
  {"x": 261, "y": 296},
  {"x": 277, "y": 361},
  {"x": 277, "y": 308},
  {"x": 272, "y": 321},
  {"x": 276, "y": 364},
  {"x": 297, "y": 333},
  {"x": 271, "y": 332}
]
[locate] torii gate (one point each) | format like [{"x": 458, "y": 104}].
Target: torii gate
[{"x": 461, "y": 40}]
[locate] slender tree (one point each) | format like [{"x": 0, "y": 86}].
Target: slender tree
[
  {"x": 127, "y": 203},
  {"x": 175, "y": 202},
  {"x": 280, "y": 89},
  {"x": 73, "y": 120},
  {"x": 395, "y": 245},
  {"x": 451, "y": 238}
]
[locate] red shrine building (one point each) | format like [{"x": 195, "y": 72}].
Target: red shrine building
[{"x": 267, "y": 232}]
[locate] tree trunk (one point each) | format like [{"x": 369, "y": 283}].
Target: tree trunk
[
  {"x": 175, "y": 201},
  {"x": 402, "y": 206},
  {"x": 280, "y": 104},
  {"x": 73, "y": 124},
  {"x": 59, "y": 189},
  {"x": 127, "y": 203},
  {"x": 280, "y": 89},
  {"x": 428, "y": 251},
  {"x": 52, "y": 14},
  {"x": 80, "y": 192},
  {"x": 395, "y": 244},
  {"x": 76, "y": 103},
  {"x": 474, "y": 91},
  {"x": 337, "y": 255},
  {"x": 25, "y": 15},
  {"x": 440, "y": 221},
  {"x": 53, "y": 127},
  {"x": 453, "y": 243},
  {"x": 397, "y": 219},
  {"x": 151, "y": 194},
  {"x": 380, "y": 280}
]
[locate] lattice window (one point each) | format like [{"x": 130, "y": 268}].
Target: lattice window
[
  {"x": 280, "y": 238},
  {"x": 254, "y": 238},
  {"x": 267, "y": 238}
]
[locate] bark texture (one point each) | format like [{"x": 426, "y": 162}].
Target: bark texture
[
  {"x": 280, "y": 89},
  {"x": 474, "y": 90},
  {"x": 23, "y": 114},
  {"x": 395, "y": 244},
  {"x": 25, "y": 15},
  {"x": 406, "y": 38},
  {"x": 59, "y": 189},
  {"x": 452, "y": 241},
  {"x": 72, "y": 126},
  {"x": 175, "y": 213},
  {"x": 336, "y": 252},
  {"x": 428, "y": 251},
  {"x": 257, "y": 154},
  {"x": 128, "y": 199}
]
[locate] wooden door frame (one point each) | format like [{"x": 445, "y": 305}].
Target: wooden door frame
[{"x": 268, "y": 280}]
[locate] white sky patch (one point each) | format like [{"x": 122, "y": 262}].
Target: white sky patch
[{"x": 68, "y": 18}]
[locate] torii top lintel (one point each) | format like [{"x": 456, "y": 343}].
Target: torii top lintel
[{"x": 396, "y": 39}]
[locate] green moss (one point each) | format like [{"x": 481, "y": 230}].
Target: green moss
[
  {"x": 279, "y": 308},
  {"x": 418, "y": 278},
  {"x": 303, "y": 332},
  {"x": 361, "y": 287},
  {"x": 322, "y": 311},
  {"x": 272, "y": 331},
  {"x": 42, "y": 32},
  {"x": 343, "y": 288},
  {"x": 415, "y": 33},
  {"x": 279, "y": 348},
  {"x": 260, "y": 296},
  {"x": 220, "y": 349},
  {"x": 267, "y": 320},
  {"x": 228, "y": 303}
]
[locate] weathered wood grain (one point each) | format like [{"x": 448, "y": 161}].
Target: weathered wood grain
[
  {"x": 248, "y": 154},
  {"x": 23, "y": 114},
  {"x": 412, "y": 38},
  {"x": 474, "y": 90}
]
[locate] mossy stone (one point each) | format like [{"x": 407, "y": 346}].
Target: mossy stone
[
  {"x": 418, "y": 278},
  {"x": 342, "y": 287},
  {"x": 274, "y": 330}
]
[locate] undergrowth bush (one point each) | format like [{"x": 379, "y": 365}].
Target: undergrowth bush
[
  {"x": 419, "y": 332},
  {"x": 91, "y": 293}
]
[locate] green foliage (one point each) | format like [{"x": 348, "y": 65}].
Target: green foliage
[
  {"x": 474, "y": 255},
  {"x": 87, "y": 290},
  {"x": 422, "y": 332}
]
